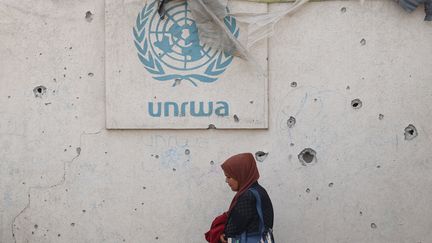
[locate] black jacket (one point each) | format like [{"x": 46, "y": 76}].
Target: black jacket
[{"x": 244, "y": 216}]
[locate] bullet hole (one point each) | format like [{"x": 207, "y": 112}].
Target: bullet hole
[
  {"x": 157, "y": 238},
  {"x": 293, "y": 84},
  {"x": 187, "y": 151},
  {"x": 291, "y": 122},
  {"x": 343, "y": 9},
  {"x": 58, "y": 235},
  {"x": 9, "y": 96},
  {"x": 378, "y": 166},
  {"x": 157, "y": 156},
  {"x": 135, "y": 209},
  {"x": 236, "y": 119},
  {"x": 261, "y": 156},
  {"x": 73, "y": 224},
  {"x": 330, "y": 184},
  {"x": 65, "y": 68},
  {"x": 64, "y": 75},
  {"x": 317, "y": 198},
  {"x": 356, "y": 103},
  {"x": 361, "y": 213},
  {"x": 251, "y": 101},
  {"x": 373, "y": 226},
  {"x": 410, "y": 132},
  {"x": 144, "y": 187},
  {"x": 78, "y": 150},
  {"x": 48, "y": 103},
  {"x": 90, "y": 74},
  {"x": 307, "y": 156},
  {"x": 89, "y": 16},
  {"x": 380, "y": 116},
  {"x": 36, "y": 226},
  {"x": 83, "y": 210},
  {"x": 211, "y": 126},
  {"x": 212, "y": 162},
  {"x": 174, "y": 169},
  {"x": 32, "y": 232},
  {"x": 363, "y": 42},
  {"x": 177, "y": 81},
  {"x": 307, "y": 190},
  {"x": 39, "y": 91},
  {"x": 292, "y": 144}
]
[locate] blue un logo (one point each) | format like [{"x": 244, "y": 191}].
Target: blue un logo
[{"x": 170, "y": 48}]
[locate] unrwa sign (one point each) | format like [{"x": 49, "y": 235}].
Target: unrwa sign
[
  {"x": 148, "y": 58},
  {"x": 190, "y": 108}
]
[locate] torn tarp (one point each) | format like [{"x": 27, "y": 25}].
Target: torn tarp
[
  {"x": 209, "y": 17},
  {"x": 411, "y": 5}
]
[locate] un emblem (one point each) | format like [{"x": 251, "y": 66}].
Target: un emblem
[{"x": 170, "y": 49}]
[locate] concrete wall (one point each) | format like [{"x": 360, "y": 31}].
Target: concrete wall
[{"x": 65, "y": 178}]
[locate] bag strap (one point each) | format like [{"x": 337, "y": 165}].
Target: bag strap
[
  {"x": 243, "y": 236},
  {"x": 259, "y": 210}
]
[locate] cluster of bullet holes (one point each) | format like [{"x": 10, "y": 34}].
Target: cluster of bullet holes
[
  {"x": 291, "y": 122},
  {"x": 260, "y": 156},
  {"x": 356, "y": 103},
  {"x": 307, "y": 156},
  {"x": 410, "y": 132},
  {"x": 39, "y": 91},
  {"x": 89, "y": 16}
]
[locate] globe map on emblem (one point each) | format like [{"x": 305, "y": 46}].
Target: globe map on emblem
[
  {"x": 175, "y": 39},
  {"x": 170, "y": 48}
]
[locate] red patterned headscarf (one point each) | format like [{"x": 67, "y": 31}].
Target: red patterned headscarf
[{"x": 241, "y": 167}]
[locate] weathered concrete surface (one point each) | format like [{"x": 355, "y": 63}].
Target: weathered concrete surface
[{"x": 64, "y": 178}]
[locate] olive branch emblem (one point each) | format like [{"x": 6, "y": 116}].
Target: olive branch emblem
[{"x": 154, "y": 66}]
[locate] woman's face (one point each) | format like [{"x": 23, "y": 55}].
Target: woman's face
[{"x": 233, "y": 183}]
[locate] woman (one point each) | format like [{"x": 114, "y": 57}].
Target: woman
[{"x": 242, "y": 176}]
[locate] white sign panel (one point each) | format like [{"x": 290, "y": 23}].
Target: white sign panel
[{"x": 160, "y": 76}]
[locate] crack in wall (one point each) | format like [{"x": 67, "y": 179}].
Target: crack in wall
[{"x": 61, "y": 182}]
